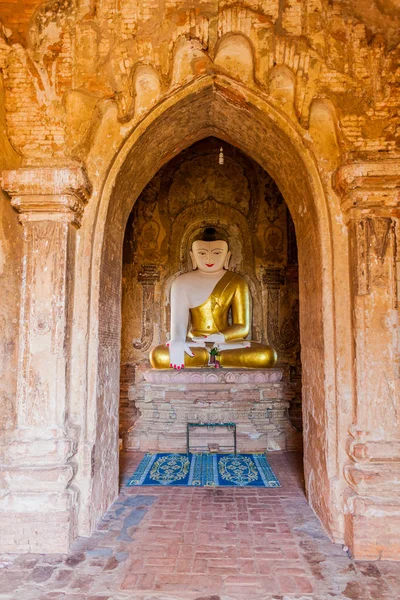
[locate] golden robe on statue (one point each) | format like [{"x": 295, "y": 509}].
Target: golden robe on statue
[{"x": 231, "y": 293}]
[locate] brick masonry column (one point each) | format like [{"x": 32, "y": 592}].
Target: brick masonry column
[
  {"x": 371, "y": 203},
  {"x": 38, "y": 506}
]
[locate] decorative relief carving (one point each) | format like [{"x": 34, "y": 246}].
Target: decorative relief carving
[
  {"x": 48, "y": 191},
  {"x": 226, "y": 184},
  {"x": 274, "y": 240},
  {"x": 46, "y": 247},
  {"x": 283, "y": 334},
  {"x": 371, "y": 239},
  {"x": 368, "y": 184},
  {"x": 58, "y": 59},
  {"x": 43, "y": 313},
  {"x": 273, "y": 199},
  {"x": 208, "y": 376},
  {"x": 379, "y": 230},
  {"x": 60, "y": 248},
  {"x": 148, "y": 277},
  {"x": 258, "y": 405},
  {"x": 373, "y": 257},
  {"x": 42, "y": 324},
  {"x": 39, "y": 399}
]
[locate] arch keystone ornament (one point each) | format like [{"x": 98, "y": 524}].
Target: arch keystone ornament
[
  {"x": 36, "y": 457},
  {"x": 371, "y": 202}
]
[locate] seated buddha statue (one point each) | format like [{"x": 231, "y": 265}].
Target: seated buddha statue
[{"x": 218, "y": 304}]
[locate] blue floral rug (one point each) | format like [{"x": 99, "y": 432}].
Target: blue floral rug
[{"x": 217, "y": 470}]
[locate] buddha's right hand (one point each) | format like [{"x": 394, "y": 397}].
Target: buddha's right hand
[{"x": 177, "y": 350}]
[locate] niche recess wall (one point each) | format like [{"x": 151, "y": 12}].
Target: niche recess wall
[{"x": 192, "y": 191}]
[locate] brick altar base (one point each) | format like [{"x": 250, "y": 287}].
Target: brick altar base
[{"x": 256, "y": 400}]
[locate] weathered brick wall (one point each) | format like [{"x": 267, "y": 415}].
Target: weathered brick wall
[
  {"x": 15, "y": 16},
  {"x": 128, "y": 412},
  {"x": 77, "y": 57}
]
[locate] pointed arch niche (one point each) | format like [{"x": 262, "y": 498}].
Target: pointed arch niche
[
  {"x": 193, "y": 191},
  {"x": 234, "y": 114}
]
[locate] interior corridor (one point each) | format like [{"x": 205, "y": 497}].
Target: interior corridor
[{"x": 176, "y": 543}]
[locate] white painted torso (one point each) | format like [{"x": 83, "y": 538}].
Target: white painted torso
[{"x": 195, "y": 287}]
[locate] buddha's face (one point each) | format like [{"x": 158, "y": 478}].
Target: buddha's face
[{"x": 210, "y": 257}]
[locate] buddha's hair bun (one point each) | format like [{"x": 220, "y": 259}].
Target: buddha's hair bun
[{"x": 210, "y": 234}]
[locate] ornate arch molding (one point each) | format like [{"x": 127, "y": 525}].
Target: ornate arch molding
[{"x": 217, "y": 105}]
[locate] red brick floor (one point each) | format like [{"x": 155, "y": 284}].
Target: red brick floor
[{"x": 203, "y": 544}]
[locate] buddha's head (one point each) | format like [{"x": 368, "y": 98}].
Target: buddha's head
[{"x": 210, "y": 253}]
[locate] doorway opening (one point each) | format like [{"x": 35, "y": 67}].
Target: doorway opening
[
  {"x": 211, "y": 183},
  {"x": 266, "y": 136}
]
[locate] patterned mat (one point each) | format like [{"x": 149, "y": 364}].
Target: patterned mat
[{"x": 242, "y": 470}]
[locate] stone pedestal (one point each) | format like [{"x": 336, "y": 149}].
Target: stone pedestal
[{"x": 256, "y": 400}]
